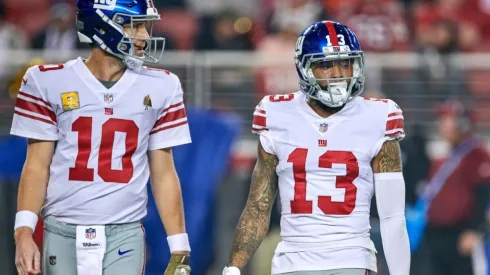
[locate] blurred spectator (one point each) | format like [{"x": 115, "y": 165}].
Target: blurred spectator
[
  {"x": 231, "y": 91},
  {"x": 11, "y": 38},
  {"x": 16, "y": 81},
  {"x": 437, "y": 78},
  {"x": 443, "y": 35},
  {"x": 456, "y": 214},
  {"x": 416, "y": 169},
  {"x": 179, "y": 27},
  {"x": 340, "y": 7},
  {"x": 379, "y": 24},
  {"x": 280, "y": 79},
  {"x": 287, "y": 20},
  {"x": 469, "y": 21},
  {"x": 381, "y": 27},
  {"x": 416, "y": 161},
  {"x": 298, "y": 13},
  {"x": 60, "y": 34},
  {"x": 211, "y": 7},
  {"x": 485, "y": 6},
  {"x": 226, "y": 31}
]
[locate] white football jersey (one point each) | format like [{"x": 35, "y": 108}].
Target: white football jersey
[
  {"x": 325, "y": 177},
  {"x": 99, "y": 171}
]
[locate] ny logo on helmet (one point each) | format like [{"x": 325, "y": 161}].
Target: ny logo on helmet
[{"x": 105, "y": 4}]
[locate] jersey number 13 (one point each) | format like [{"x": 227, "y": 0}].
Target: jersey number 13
[{"x": 300, "y": 205}]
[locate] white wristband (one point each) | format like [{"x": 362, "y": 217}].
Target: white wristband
[
  {"x": 232, "y": 270},
  {"x": 178, "y": 242},
  {"x": 25, "y": 218}
]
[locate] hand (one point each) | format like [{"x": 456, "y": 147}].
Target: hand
[
  {"x": 232, "y": 270},
  {"x": 27, "y": 256},
  {"x": 467, "y": 241},
  {"x": 178, "y": 265}
]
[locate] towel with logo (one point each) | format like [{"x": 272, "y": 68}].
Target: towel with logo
[{"x": 91, "y": 247}]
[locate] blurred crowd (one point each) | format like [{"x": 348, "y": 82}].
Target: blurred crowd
[{"x": 382, "y": 25}]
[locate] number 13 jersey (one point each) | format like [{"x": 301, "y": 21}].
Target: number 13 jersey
[
  {"x": 325, "y": 175},
  {"x": 99, "y": 170}
]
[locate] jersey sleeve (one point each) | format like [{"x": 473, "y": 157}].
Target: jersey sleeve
[
  {"x": 171, "y": 127},
  {"x": 260, "y": 127},
  {"x": 395, "y": 129},
  {"x": 33, "y": 115},
  {"x": 393, "y": 125}
]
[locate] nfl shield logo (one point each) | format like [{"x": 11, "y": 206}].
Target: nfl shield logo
[
  {"x": 323, "y": 127},
  {"x": 90, "y": 233},
  {"x": 52, "y": 260},
  {"x": 108, "y": 98}
]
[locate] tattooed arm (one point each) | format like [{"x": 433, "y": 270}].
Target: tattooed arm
[
  {"x": 388, "y": 159},
  {"x": 254, "y": 222},
  {"x": 390, "y": 199}
]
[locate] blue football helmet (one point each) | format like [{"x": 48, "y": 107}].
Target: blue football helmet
[
  {"x": 325, "y": 43},
  {"x": 101, "y": 22}
]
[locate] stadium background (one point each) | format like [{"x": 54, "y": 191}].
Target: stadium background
[{"x": 228, "y": 55}]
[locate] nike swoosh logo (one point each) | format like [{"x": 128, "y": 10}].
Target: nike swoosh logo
[
  {"x": 24, "y": 81},
  {"x": 124, "y": 252}
]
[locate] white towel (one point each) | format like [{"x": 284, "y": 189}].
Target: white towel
[{"x": 91, "y": 247}]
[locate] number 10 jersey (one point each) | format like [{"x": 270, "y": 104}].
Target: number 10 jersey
[
  {"x": 99, "y": 170},
  {"x": 325, "y": 175}
]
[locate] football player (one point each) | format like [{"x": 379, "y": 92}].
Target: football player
[
  {"x": 326, "y": 150},
  {"x": 98, "y": 129}
]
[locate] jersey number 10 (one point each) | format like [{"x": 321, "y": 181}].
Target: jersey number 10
[
  {"x": 299, "y": 205},
  {"x": 81, "y": 172}
]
